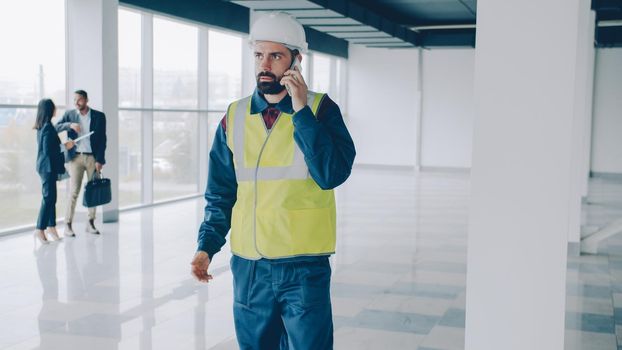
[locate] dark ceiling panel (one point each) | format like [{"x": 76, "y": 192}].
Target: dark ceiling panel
[
  {"x": 608, "y": 34},
  {"x": 366, "y": 16},
  {"x": 216, "y": 13},
  {"x": 424, "y": 12},
  {"x": 408, "y": 13},
  {"x": 607, "y": 10},
  {"x": 448, "y": 38},
  {"x": 609, "y": 37}
]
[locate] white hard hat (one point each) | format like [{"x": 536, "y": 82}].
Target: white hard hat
[{"x": 279, "y": 27}]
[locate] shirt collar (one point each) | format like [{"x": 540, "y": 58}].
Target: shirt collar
[
  {"x": 259, "y": 104},
  {"x": 87, "y": 115}
]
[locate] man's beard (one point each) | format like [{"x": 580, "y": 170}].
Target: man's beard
[{"x": 269, "y": 87}]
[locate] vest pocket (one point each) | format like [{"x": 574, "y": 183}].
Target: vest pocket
[{"x": 312, "y": 230}]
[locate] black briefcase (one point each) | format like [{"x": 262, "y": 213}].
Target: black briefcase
[{"x": 97, "y": 191}]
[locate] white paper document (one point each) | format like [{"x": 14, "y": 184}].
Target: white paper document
[{"x": 83, "y": 136}]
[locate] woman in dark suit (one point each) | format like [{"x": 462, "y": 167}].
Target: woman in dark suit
[{"x": 50, "y": 164}]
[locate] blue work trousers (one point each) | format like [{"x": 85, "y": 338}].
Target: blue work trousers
[{"x": 282, "y": 305}]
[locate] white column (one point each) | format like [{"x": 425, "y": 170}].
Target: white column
[
  {"x": 248, "y": 69},
  {"x": 587, "y": 129},
  {"x": 419, "y": 110},
  {"x": 332, "y": 86},
  {"x": 343, "y": 87},
  {"x": 92, "y": 65},
  {"x": 248, "y": 62},
  {"x": 309, "y": 75},
  {"x": 204, "y": 142},
  {"x": 525, "y": 67},
  {"x": 146, "y": 68},
  {"x": 581, "y": 120}
]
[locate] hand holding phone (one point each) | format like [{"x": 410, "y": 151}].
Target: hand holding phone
[
  {"x": 297, "y": 67},
  {"x": 295, "y": 85}
]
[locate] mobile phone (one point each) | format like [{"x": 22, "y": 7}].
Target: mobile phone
[{"x": 295, "y": 66}]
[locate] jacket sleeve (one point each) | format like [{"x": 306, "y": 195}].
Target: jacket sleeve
[
  {"x": 47, "y": 148},
  {"x": 63, "y": 123},
  {"x": 220, "y": 195},
  {"x": 326, "y": 143},
  {"x": 100, "y": 155}
]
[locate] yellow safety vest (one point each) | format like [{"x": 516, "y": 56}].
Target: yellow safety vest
[{"x": 280, "y": 210}]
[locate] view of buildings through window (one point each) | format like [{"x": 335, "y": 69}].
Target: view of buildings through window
[{"x": 37, "y": 69}]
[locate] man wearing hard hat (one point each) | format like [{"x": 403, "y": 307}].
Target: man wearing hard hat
[{"x": 276, "y": 157}]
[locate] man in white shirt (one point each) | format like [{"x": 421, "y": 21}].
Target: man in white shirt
[{"x": 89, "y": 153}]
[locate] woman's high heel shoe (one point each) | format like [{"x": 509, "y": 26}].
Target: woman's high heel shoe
[
  {"x": 54, "y": 235},
  {"x": 41, "y": 236}
]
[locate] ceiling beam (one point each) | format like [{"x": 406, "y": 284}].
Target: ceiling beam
[
  {"x": 222, "y": 14},
  {"x": 443, "y": 26},
  {"x": 448, "y": 38},
  {"x": 369, "y": 18},
  {"x": 322, "y": 42}
]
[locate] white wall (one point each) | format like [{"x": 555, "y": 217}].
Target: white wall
[
  {"x": 607, "y": 117},
  {"x": 382, "y": 104},
  {"x": 448, "y": 109}
]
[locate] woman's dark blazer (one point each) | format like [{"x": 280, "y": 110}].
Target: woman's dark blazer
[{"x": 49, "y": 155}]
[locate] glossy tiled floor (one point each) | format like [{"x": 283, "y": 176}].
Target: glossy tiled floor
[{"x": 398, "y": 281}]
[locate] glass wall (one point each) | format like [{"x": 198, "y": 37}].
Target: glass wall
[
  {"x": 130, "y": 42},
  {"x": 175, "y": 85},
  {"x": 329, "y": 75},
  {"x": 225, "y": 76},
  {"x": 175, "y": 112},
  {"x": 175, "y": 64},
  {"x": 130, "y": 158},
  {"x": 175, "y": 157},
  {"x": 321, "y": 73},
  {"x": 33, "y": 67},
  {"x": 225, "y": 73},
  {"x": 36, "y": 56}
]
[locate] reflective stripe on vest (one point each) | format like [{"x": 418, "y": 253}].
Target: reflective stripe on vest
[{"x": 280, "y": 211}]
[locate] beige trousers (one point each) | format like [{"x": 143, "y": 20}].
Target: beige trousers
[{"x": 76, "y": 168}]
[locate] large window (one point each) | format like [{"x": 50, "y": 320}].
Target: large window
[
  {"x": 130, "y": 161},
  {"x": 171, "y": 115},
  {"x": 175, "y": 154},
  {"x": 33, "y": 51},
  {"x": 129, "y": 58},
  {"x": 225, "y": 73},
  {"x": 224, "y": 77},
  {"x": 175, "y": 64},
  {"x": 328, "y": 75},
  {"x": 321, "y": 73},
  {"x": 33, "y": 67},
  {"x": 175, "y": 133},
  {"x": 19, "y": 182}
]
